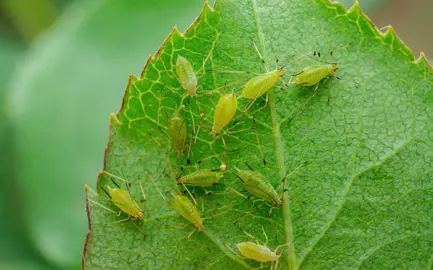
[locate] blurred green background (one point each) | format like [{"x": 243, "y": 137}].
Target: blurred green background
[{"x": 64, "y": 66}]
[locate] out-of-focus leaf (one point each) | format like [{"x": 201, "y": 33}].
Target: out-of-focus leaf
[{"x": 72, "y": 77}]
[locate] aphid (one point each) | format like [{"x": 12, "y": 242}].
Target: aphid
[
  {"x": 260, "y": 84},
  {"x": 256, "y": 184},
  {"x": 122, "y": 198},
  {"x": 257, "y": 252},
  {"x": 186, "y": 75},
  {"x": 224, "y": 112},
  {"x": 177, "y": 132},
  {"x": 312, "y": 75},
  {"x": 200, "y": 178},
  {"x": 185, "y": 208}
]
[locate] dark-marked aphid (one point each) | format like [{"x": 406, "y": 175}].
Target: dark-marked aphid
[
  {"x": 312, "y": 75},
  {"x": 186, "y": 75},
  {"x": 257, "y": 184},
  {"x": 200, "y": 178},
  {"x": 184, "y": 207},
  {"x": 224, "y": 112},
  {"x": 122, "y": 199},
  {"x": 177, "y": 132}
]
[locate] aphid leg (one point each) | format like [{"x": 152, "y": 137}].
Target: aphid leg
[
  {"x": 316, "y": 88},
  {"x": 258, "y": 52},
  {"x": 266, "y": 236},
  {"x": 157, "y": 188},
  {"x": 189, "y": 193},
  {"x": 247, "y": 213},
  {"x": 202, "y": 68},
  {"x": 275, "y": 251},
  {"x": 105, "y": 207},
  {"x": 189, "y": 235}
]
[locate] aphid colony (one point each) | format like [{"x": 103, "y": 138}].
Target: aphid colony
[
  {"x": 256, "y": 184},
  {"x": 227, "y": 105}
]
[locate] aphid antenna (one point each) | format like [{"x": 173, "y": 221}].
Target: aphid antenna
[
  {"x": 258, "y": 51},
  {"x": 266, "y": 236},
  {"x": 116, "y": 177},
  {"x": 238, "y": 175},
  {"x": 105, "y": 207},
  {"x": 189, "y": 193},
  {"x": 157, "y": 188},
  {"x": 316, "y": 88},
  {"x": 182, "y": 171},
  {"x": 142, "y": 192},
  {"x": 106, "y": 192},
  {"x": 249, "y": 167}
]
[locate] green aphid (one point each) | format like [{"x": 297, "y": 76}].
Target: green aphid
[
  {"x": 260, "y": 84},
  {"x": 187, "y": 210},
  {"x": 200, "y": 178},
  {"x": 312, "y": 75},
  {"x": 256, "y": 184},
  {"x": 177, "y": 132}
]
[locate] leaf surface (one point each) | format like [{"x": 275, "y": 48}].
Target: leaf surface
[{"x": 363, "y": 198}]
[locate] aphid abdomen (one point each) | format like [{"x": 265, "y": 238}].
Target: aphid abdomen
[
  {"x": 177, "y": 132},
  {"x": 224, "y": 112},
  {"x": 257, "y": 252},
  {"x": 124, "y": 202},
  {"x": 201, "y": 178},
  {"x": 260, "y": 84},
  {"x": 187, "y": 210},
  {"x": 186, "y": 75},
  {"x": 312, "y": 75},
  {"x": 256, "y": 184}
]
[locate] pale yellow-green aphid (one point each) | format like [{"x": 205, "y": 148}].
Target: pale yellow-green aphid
[
  {"x": 122, "y": 199},
  {"x": 312, "y": 75},
  {"x": 224, "y": 112},
  {"x": 185, "y": 208},
  {"x": 260, "y": 84},
  {"x": 186, "y": 75}
]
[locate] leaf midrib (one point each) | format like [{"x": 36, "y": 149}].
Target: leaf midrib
[{"x": 288, "y": 226}]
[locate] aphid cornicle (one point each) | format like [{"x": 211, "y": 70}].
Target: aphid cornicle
[
  {"x": 257, "y": 252},
  {"x": 123, "y": 200},
  {"x": 256, "y": 184},
  {"x": 200, "y": 178},
  {"x": 260, "y": 84},
  {"x": 177, "y": 132},
  {"x": 312, "y": 75},
  {"x": 186, "y": 75},
  {"x": 224, "y": 112},
  {"x": 187, "y": 210}
]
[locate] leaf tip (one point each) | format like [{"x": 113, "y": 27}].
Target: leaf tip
[
  {"x": 207, "y": 7},
  {"x": 355, "y": 9},
  {"x": 114, "y": 120},
  {"x": 422, "y": 59}
]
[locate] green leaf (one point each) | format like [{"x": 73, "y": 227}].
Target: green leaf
[{"x": 364, "y": 197}]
